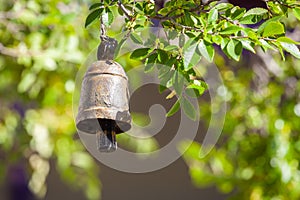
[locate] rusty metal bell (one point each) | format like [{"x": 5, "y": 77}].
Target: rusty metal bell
[{"x": 104, "y": 99}]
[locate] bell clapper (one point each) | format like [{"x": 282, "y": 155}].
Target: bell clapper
[{"x": 106, "y": 136}]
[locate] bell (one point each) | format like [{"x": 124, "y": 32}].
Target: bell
[{"x": 104, "y": 99}]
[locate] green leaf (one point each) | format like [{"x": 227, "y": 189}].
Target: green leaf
[
  {"x": 256, "y": 11},
  {"x": 273, "y": 28},
  {"x": 283, "y": 8},
  {"x": 217, "y": 39},
  {"x": 234, "y": 49},
  {"x": 120, "y": 11},
  {"x": 170, "y": 62},
  {"x": 171, "y": 48},
  {"x": 178, "y": 82},
  {"x": 207, "y": 50},
  {"x": 151, "y": 59},
  {"x": 141, "y": 53},
  {"x": 165, "y": 76},
  {"x": 238, "y": 13},
  {"x": 163, "y": 71},
  {"x": 190, "y": 54},
  {"x": 136, "y": 38},
  {"x": 188, "y": 109},
  {"x": 278, "y": 45},
  {"x": 194, "y": 19},
  {"x": 162, "y": 56},
  {"x": 164, "y": 11},
  {"x": 162, "y": 88},
  {"x": 213, "y": 15},
  {"x": 291, "y": 48},
  {"x": 26, "y": 82},
  {"x": 181, "y": 40},
  {"x": 248, "y": 45},
  {"x": 231, "y": 30},
  {"x": 150, "y": 62},
  {"x": 199, "y": 86},
  {"x": 191, "y": 92},
  {"x": 223, "y": 6},
  {"x": 149, "y": 67},
  {"x": 296, "y": 12},
  {"x": 287, "y": 40},
  {"x": 172, "y": 34},
  {"x": 263, "y": 26},
  {"x": 250, "y": 19},
  {"x": 187, "y": 19},
  {"x": 95, "y": 5},
  {"x": 108, "y": 17},
  {"x": 251, "y": 34},
  {"x": 174, "y": 109},
  {"x": 92, "y": 16},
  {"x": 253, "y": 16},
  {"x": 224, "y": 42},
  {"x": 265, "y": 45}
]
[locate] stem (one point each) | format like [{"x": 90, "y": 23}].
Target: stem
[
  {"x": 102, "y": 26},
  {"x": 17, "y": 53},
  {"x": 125, "y": 11},
  {"x": 189, "y": 28}
]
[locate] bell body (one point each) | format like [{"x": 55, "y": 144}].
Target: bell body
[{"x": 104, "y": 99}]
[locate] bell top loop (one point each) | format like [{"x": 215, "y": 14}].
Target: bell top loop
[{"x": 106, "y": 49}]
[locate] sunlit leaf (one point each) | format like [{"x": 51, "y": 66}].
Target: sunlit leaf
[
  {"x": 296, "y": 12},
  {"x": 212, "y": 15},
  {"x": 273, "y": 28},
  {"x": 108, "y": 17},
  {"x": 92, "y": 16},
  {"x": 207, "y": 50},
  {"x": 188, "y": 108},
  {"x": 178, "y": 82},
  {"x": 234, "y": 49},
  {"x": 95, "y": 5},
  {"x": 291, "y": 48},
  {"x": 191, "y": 55},
  {"x": 174, "y": 109},
  {"x": 140, "y": 53},
  {"x": 136, "y": 38},
  {"x": 231, "y": 30}
]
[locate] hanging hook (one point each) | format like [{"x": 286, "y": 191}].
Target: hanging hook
[
  {"x": 102, "y": 27},
  {"x": 108, "y": 45}
]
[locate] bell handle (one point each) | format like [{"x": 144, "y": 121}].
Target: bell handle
[{"x": 107, "y": 48}]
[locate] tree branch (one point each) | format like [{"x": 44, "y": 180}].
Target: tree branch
[
  {"x": 125, "y": 11},
  {"x": 8, "y": 51}
]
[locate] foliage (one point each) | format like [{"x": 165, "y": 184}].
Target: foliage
[
  {"x": 258, "y": 155},
  {"x": 202, "y": 28}
]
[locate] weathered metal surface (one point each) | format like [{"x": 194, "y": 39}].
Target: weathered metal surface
[
  {"x": 104, "y": 95},
  {"x": 106, "y": 49},
  {"x": 104, "y": 99},
  {"x": 106, "y": 138}
]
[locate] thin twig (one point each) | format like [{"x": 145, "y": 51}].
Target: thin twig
[
  {"x": 125, "y": 11},
  {"x": 283, "y": 4},
  {"x": 102, "y": 26},
  {"x": 17, "y": 53},
  {"x": 168, "y": 17},
  {"x": 189, "y": 28},
  {"x": 7, "y": 51}
]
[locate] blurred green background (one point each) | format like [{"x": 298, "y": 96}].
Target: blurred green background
[{"x": 42, "y": 46}]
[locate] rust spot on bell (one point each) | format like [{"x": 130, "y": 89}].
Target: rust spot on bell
[{"x": 104, "y": 101}]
